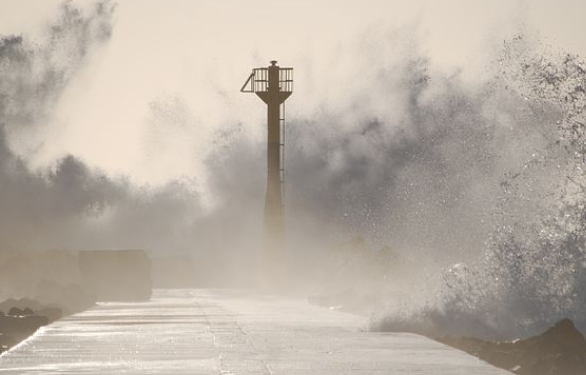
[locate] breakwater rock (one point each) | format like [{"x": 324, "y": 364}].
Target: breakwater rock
[{"x": 561, "y": 350}]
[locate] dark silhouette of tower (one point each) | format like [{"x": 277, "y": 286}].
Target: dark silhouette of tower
[{"x": 273, "y": 85}]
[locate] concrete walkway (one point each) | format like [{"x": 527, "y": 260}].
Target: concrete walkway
[{"x": 227, "y": 332}]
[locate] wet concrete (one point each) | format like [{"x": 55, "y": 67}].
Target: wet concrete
[{"x": 227, "y": 332}]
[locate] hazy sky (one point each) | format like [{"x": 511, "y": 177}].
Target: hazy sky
[{"x": 149, "y": 103}]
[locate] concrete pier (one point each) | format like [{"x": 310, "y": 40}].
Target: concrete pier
[{"x": 227, "y": 332}]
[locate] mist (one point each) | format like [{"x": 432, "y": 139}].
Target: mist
[
  {"x": 408, "y": 157},
  {"x": 387, "y": 141}
]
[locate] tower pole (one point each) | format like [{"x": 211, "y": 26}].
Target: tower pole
[
  {"x": 273, "y": 85},
  {"x": 273, "y": 217}
]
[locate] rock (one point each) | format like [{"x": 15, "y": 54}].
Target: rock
[
  {"x": 33, "y": 307},
  {"x": 14, "y": 311},
  {"x": 6, "y": 342},
  {"x": 561, "y": 350},
  {"x": 27, "y": 311},
  {"x": 21, "y": 322},
  {"x": 21, "y": 303},
  {"x": 21, "y": 326}
]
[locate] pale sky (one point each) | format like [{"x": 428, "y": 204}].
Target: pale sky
[{"x": 191, "y": 57}]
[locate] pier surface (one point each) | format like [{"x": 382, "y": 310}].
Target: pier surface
[{"x": 228, "y": 332}]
